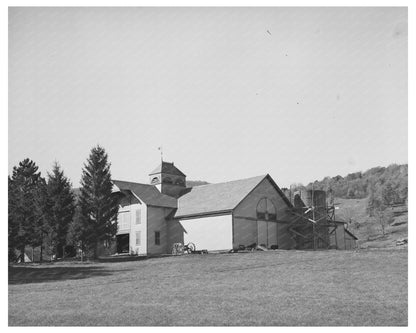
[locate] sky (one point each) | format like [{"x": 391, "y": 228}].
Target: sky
[{"x": 229, "y": 93}]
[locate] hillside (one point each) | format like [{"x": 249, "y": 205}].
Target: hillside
[
  {"x": 359, "y": 185},
  {"x": 368, "y": 229}
]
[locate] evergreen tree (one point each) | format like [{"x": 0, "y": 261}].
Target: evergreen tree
[
  {"x": 25, "y": 214},
  {"x": 41, "y": 204},
  {"x": 97, "y": 220},
  {"x": 13, "y": 226},
  {"x": 60, "y": 211},
  {"x": 79, "y": 232}
]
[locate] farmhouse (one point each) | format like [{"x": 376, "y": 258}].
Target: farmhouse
[{"x": 216, "y": 217}]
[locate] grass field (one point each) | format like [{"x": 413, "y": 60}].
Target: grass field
[{"x": 279, "y": 288}]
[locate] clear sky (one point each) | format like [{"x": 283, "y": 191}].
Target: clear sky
[{"x": 299, "y": 93}]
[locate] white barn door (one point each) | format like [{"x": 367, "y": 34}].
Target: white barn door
[{"x": 211, "y": 233}]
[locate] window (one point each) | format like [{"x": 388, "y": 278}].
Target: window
[
  {"x": 167, "y": 180},
  {"x": 272, "y": 217},
  {"x": 157, "y": 237},
  {"x": 266, "y": 210},
  {"x": 138, "y": 216},
  {"x": 179, "y": 182},
  {"x": 123, "y": 220},
  {"x": 155, "y": 180},
  {"x": 138, "y": 240},
  {"x": 261, "y": 216}
]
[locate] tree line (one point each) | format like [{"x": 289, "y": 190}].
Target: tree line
[
  {"x": 383, "y": 186},
  {"x": 360, "y": 185},
  {"x": 45, "y": 213}
]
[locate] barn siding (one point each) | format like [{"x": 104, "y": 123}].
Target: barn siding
[
  {"x": 340, "y": 234},
  {"x": 350, "y": 242},
  {"x": 175, "y": 234},
  {"x": 156, "y": 217},
  {"x": 333, "y": 240},
  {"x": 245, "y": 217},
  {"x": 245, "y": 232}
]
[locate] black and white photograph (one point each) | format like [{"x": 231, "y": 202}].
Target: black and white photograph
[{"x": 207, "y": 166}]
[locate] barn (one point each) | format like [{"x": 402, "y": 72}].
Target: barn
[
  {"x": 241, "y": 212},
  {"x": 216, "y": 217}
]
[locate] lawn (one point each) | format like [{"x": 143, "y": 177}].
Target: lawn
[{"x": 279, "y": 288}]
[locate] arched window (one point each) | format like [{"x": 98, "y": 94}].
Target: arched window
[
  {"x": 155, "y": 180},
  {"x": 266, "y": 210}
]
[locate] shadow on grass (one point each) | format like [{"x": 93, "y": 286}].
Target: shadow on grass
[{"x": 50, "y": 273}]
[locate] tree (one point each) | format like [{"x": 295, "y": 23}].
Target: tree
[
  {"x": 356, "y": 225},
  {"x": 60, "y": 211},
  {"x": 97, "y": 220},
  {"x": 79, "y": 232},
  {"x": 25, "y": 212},
  {"x": 388, "y": 195},
  {"x": 378, "y": 203},
  {"x": 42, "y": 204},
  {"x": 13, "y": 226},
  {"x": 384, "y": 217}
]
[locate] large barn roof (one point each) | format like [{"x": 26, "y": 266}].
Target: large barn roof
[
  {"x": 148, "y": 193},
  {"x": 216, "y": 198}
]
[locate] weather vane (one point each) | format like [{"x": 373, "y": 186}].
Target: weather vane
[{"x": 161, "y": 153}]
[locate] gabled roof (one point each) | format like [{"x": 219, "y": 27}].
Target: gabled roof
[
  {"x": 168, "y": 168},
  {"x": 346, "y": 230},
  {"x": 218, "y": 198},
  {"x": 351, "y": 234},
  {"x": 148, "y": 193}
]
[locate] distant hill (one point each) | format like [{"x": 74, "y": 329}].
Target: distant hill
[
  {"x": 193, "y": 183},
  {"x": 359, "y": 185}
]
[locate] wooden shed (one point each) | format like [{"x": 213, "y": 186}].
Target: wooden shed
[{"x": 341, "y": 238}]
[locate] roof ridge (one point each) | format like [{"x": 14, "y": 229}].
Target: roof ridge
[
  {"x": 231, "y": 181},
  {"x": 126, "y": 181}
]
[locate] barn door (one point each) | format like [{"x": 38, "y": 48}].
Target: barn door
[
  {"x": 271, "y": 234},
  {"x": 262, "y": 233},
  {"x": 123, "y": 243}
]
